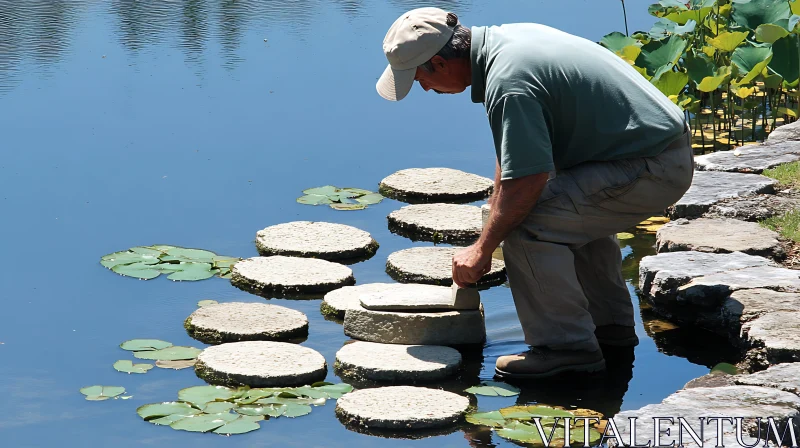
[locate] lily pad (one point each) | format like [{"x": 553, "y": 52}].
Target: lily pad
[
  {"x": 192, "y": 272},
  {"x": 203, "y": 422},
  {"x": 141, "y": 345},
  {"x": 321, "y": 191},
  {"x": 148, "y": 262},
  {"x": 142, "y": 271},
  {"x": 296, "y": 410},
  {"x": 217, "y": 407},
  {"x": 176, "y": 365},
  {"x": 494, "y": 389},
  {"x": 200, "y": 395},
  {"x": 100, "y": 393},
  {"x": 493, "y": 419},
  {"x": 335, "y": 391},
  {"x": 127, "y": 257},
  {"x": 314, "y": 199},
  {"x": 370, "y": 199},
  {"x": 624, "y": 236},
  {"x": 725, "y": 368},
  {"x": 340, "y": 198},
  {"x": 239, "y": 426},
  {"x": 126, "y": 366},
  {"x": 175, "y": 353},
  {"x": 157, "y": 410},
  {"x": 203, "y": 303}
]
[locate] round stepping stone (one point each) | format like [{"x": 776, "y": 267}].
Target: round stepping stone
[
  {"x": 237, "y": 321},
  {"x": 260, "y": 364},
  {"x": 414, "y": 297},
  {"x": 401, "y": 407},
  {"x": 398, "y": 363},
  {"x": 434, "y": 265},
  {"x": 336, "y": 303},
  {"x": 710, "y": 187},
  {"x": 290, "y": 275},
  {"x": 718, "y": 236},
  {"x": 437, "y": 222},
  {"x": 323, "y": 240},
  {"x": 435, "y": 185},
  {"x": 416, "y": 328}
]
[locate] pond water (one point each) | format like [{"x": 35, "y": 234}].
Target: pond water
[{"x": 196, "y": 123}]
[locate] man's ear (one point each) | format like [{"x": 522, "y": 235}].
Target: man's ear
[{"x": 440, "y": 64}]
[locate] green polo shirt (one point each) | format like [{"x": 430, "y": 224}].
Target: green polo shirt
[{"x": 555, "y": 100}]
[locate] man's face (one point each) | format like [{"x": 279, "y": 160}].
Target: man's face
[{"x": 443, "y": 79}]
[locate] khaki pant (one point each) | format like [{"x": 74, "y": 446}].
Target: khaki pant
[{"x": 564, "y": 261}]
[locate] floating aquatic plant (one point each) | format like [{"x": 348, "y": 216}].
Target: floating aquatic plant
[
  {"x": 494, "y": 389},
  {"x": 101, "y": 393},
  {"x": 518, "y": 423},
  {"x": 340, "y": 198},
  {"x": 166, "y": 355},
  {"x": 127, "y": 366},
  {"x": 178, "y": 263},
  {"x": 203, "y": 303},
  {"x": 724, "y": 367}
]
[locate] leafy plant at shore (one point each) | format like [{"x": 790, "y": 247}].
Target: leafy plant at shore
[
  {"x": 228, "y": 411},
  {"x": 340, "y": 198},
  {"x": 728, "y": 63},
  {"x": 179, "y": 263},
  {"x": 518, "y": 423}
]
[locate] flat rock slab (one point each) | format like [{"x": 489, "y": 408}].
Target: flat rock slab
[
  {"x": 747, "y": 304},
  {"x": 718, "y": 236},
  {"x": 435, "y": 185},
  {"x": 337, "y": 302},
  {"x": 413, "y": 297},
  {"x": 397, "y": 363},
  {"x": 776, "y": 334},
  {"x": 260, "y": 364},
  {"x": 785, "y": 377},
  {"x": 726, "y": 401},
  {"x": 750, "y": 159},
  {"x": 237, "y": 321},
  {"x": 437, "y": 222},
  {"x": 401, "y": 407},
  {"x": 788, "y": 133},
  {"x": 413, "y": 328},
  {"x": 711, "y": 290},
  {"x": 290, "y": 275},
  {"x": 324, "y": 240},
  {"x": 710, "y": 187},
  {"x": 434, "y": 265},
  {"x": 661, "y": 275},
  {"x": 755, "y": 208}
]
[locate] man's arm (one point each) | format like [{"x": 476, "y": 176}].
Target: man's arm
[
  {"x": 513, "y": 200},
  {"x": 497, "y": 176}
]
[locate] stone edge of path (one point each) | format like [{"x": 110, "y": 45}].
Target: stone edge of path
[
  {"x": 490, "y": 279},
  {"x": 212, "y": 336},
  {"x": 358, "y": 372},
  {"x": 360, "y": 324},
  {"x": 356, "y": 254},
  {"x": 255, "y": 287},
  {"x": 677, "y": 236},
  {"x": 417, "y": 232},
  {"x": 422, "y": 198},
  {"x": 695, "y": 210}
]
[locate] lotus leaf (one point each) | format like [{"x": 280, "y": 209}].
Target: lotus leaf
[
  {"x": 529, "y": 433},
  {"x": 239, "y": 426},
  {"x": 148, "y": 262},
  {"x": 141, "y": 271},
  {"x": 127, "y": 257},
  {"x": 616, "y": 41},
  {"x": 757, "y": 12},
  {"x": 698, "y": 65},
  {"x": 177, "y": 365},
  {"x": 126, "y": 366},
  {"x": 751, "y": 61},
  {"x": 727, "y": 41},
  {"x": 536, "y": 411},
  {"x": 217, "y": 407},
  {"x": 769, "y": 33},
  {"x": 494, "y": 389},
  {"x": 192, "y": 272},
  {"x": 203, "y": 303},
  {"x": 314, "y": 199},
  {"x": 311, "y": 392},
  {"x": 725, "y": 368},
  {"x": 141, "y": 345},
  {"x": 665, "y": 27},
  {"x": 356, "y": 191},
  {"x": 225, "y": 262},
  {"x": 348, "y": 206},
  {"x": 786, "y": 61},
  {"x": 191, "y": 255},
  {"x": 272, "y": 410},
  {"x": 200, "y": 395},
  {"x": 624, "y": 236},
  {"x": 253, "y": 395},
  {"x": 321, "y": 191},
  {"x": 656, "y": 55},
  {"x": 175, "y": 353},
  {"x": 671, "y": 83},
  {"x": 711, "y": 83},
  {"x": 335, "y": 391},
  {"x": 340, "y": 198},
  {"x": 203, "y": 422},
  {"x": 679, "y": 4},
  {"x": 100, "y": 393},
  {"x": 630, "y": 53},
  {"x": 156, "y": 410},
  {"x": 493, "y": 418},
  {"x": 370, "y": 199},
  {"x": 683, "y": 17},
  {"x": 296, "y": 410}
]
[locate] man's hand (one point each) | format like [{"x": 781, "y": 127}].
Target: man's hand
[{"x": 469, "y": 265}]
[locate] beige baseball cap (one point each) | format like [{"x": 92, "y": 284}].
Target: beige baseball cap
[{"x": 413, "y": 40}]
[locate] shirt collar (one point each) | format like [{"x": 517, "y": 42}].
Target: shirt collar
[{"x": 478, "y": 63}]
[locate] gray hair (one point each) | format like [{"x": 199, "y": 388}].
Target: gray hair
[{"x": 457, "y": 47}]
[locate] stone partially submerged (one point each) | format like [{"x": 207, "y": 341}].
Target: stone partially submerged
[
  {"x": 413, "y": 297},
  {"x": 396, "y": 363},
  {"x": 336, "y": 303},
  {"x": 754, "y": 208},
  {"x": 435, "y": 185},
  {"x": 290, "y": 275},
  {"x": 710, "y": 290},
  {"x": 324, "y": 240},
  {"x": 718, "y": 236},
  {"x": 437, "y": 222},
  {"x": 775, "y": 336},
  {"x": 788, "y": 133},
  {"x": 260, "y": 364},
  {"x": 711, "y": 187},
  {"x": 785, "y": 377},
  {"x": 238, "y": 321},
  {"x": 434, "y": 265},
  {"x": 749, "y": 159},
  {"x": 416, "y": 328},
  {"x": 401, "y": 408},
  {"x": 747, "y": 304}
]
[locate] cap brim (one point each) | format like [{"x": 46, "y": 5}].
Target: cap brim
[{"x": 394, "y": 85}]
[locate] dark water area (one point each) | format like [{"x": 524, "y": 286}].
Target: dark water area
[{"x": 197, "y": 123}]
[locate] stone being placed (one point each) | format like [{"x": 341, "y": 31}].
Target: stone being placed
[
  {"x": 755, "y": 208},
  {"x": 711, "y": 290},
  {"x": 747, "y": 304},
  {"x": 661, "y": 275},
  {"x": 437, "y": 222},
  {"x": 726, "y": 401},
  {"x": 290, "y": 275},
  {"x": 788, "y": 133},
  {"x": 434, "y": 265},
  {"x": 710, "y": 187},
  {"x": 401, "y": 407},
  {"x": 414, "y": 297},
  {"x": 336, "y": 303},
  {"x": 718, "y": 236},
  {"x": 435, "y": 185},
  {"x": 397, "y": 363},
  {"x": 486, "y": 212},
  {"x": 323, "y": 240},
  {"x": 237, "y": 321},
  {"x": 776, "y": 335},
  {"x": 416, "y": 328},
  {"x": 749, "y": 159},
  {"x": 260, "y": 364},
  {"x": 785, "y": 377}
]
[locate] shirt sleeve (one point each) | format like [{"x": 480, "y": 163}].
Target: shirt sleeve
[{"x": 521, "y": 137}]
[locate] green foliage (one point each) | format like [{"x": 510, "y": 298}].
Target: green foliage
[
  {"x": 754, "y": 13},
  {"x": 494, "y": 389},
  {"x": 126, "y": 366},
  {"x": 179, "y": 263},
  {"x": 518, "y": 423},
  {"x": 725, "y": 368},
  {"x": 786, "y": 60},
  {"x": 671, "y": 83},
  {"x": 101, "y": 393},
  {"x": 340, "y": 198},
  {"x": 787, "y": 175}
]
